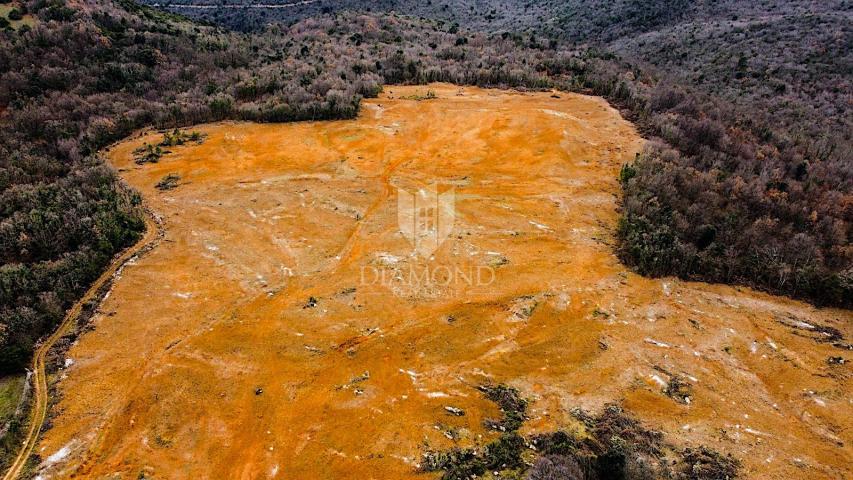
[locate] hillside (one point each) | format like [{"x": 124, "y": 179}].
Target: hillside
[
  {"x": 746, "y": 178},
  {"x": 769, "y": 83},
  {"x": 292, "y": 328},
  {"x": 105, "y": 70},
  {"x": 797, "y": 50}
]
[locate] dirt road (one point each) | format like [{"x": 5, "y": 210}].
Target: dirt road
[{"x": 38, "y": 409}]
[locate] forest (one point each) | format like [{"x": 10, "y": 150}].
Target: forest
[{"x": 753, "y": 192}]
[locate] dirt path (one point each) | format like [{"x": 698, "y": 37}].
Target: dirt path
[
  {"x": 239, "y": 7},
  {"x": 38, "y": 411},
  {"x": 284, "y": 328}
]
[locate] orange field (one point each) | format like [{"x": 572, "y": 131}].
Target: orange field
[{"x": 286, "y": 328}]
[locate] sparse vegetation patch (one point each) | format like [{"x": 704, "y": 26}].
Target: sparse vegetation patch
[
  {"x": 148, "y": 153},
  {"x": 180, "y": 137},
  {"x": 513, "y": 407},
  {"x": 429, "y": 95},
  {"x": 168, "y": 182},
  {"x": 609, "y": 446}
]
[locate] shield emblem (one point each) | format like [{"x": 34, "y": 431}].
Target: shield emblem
[{"x": 425, "y": 217}]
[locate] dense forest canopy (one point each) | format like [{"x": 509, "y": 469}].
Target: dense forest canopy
[{"x": 747, "y": 178}]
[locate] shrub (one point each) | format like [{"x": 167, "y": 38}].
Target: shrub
[
  {"x": 169, "y": 182},
  {"x": 615, "y": 446},
  {"x": 512, "y": 406},
  {"x": 705, "y": 464},
  {"x": 148, "y": 153},
  {"x": 555, "y": 467}
]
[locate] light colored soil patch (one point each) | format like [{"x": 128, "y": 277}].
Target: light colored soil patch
[
  {"x": 251, "y": 344},
  {"x": 26, "y": 19}
]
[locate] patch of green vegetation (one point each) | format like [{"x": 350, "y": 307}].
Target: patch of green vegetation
[
  {"x": 702, "y": 463},
  {"x": 180, "y": 137},
  {"x": 12, "y": 416},
  {"x": 513, "y": 407},
  {"x": 169, "y": 182},
  {"x": 429, "y": 95},
  {"x": 157, "y": 15},
  {"x": 626, "y": 173},
  {"x": 148, "y": 153},
  {"x": 679, "y": 389},
  {"x": 612, "y": 445},
  {"x": 162, "y": 442},
  {"x": 503, "y": 454},
  {"x": 11, "y": 389}
]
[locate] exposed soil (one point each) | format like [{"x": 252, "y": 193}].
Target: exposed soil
[{"x": 257, "y": 341}]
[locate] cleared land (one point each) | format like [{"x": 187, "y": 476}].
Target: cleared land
[{"x": 258, "y": 340}]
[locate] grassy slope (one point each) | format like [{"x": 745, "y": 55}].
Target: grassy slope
[{"x": 11, "y": 390}]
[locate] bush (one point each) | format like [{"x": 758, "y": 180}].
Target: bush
[
  {"x": 169, "y": 182},
  {"x": 512, "y": 406},
  {"x": 705, "y": 464},
  {"x": 505, "y": 452},
  {"x": 555, "y": 467}
]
